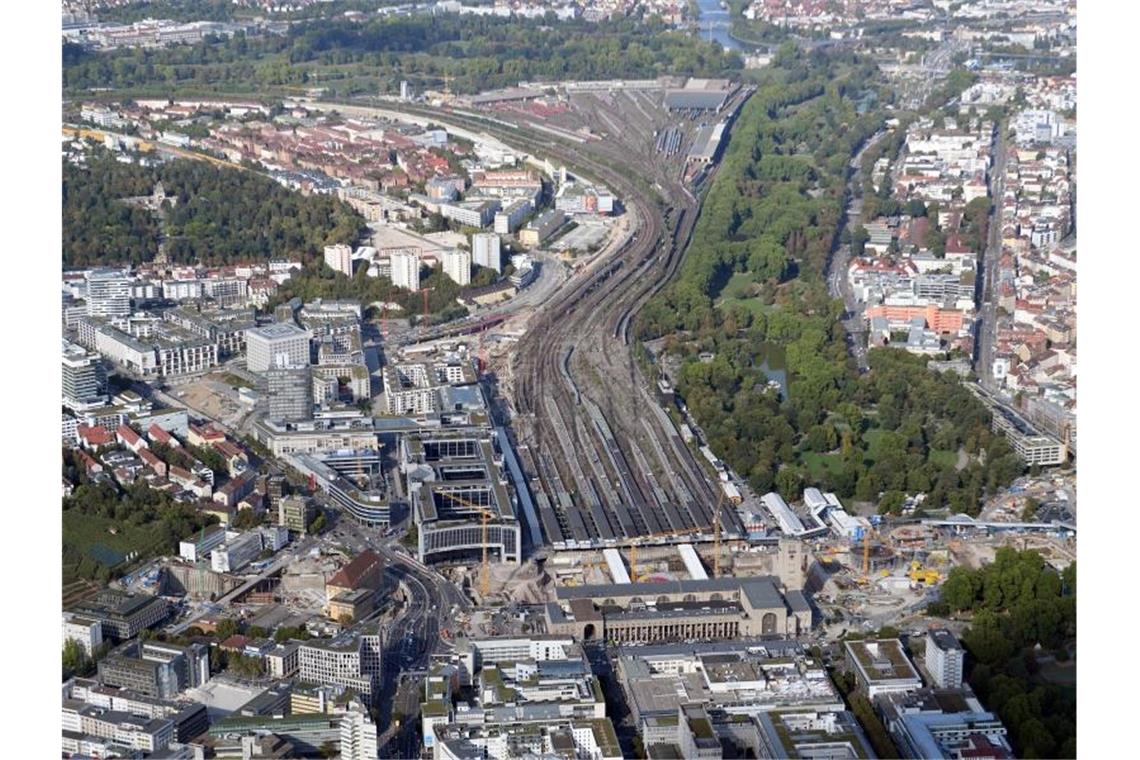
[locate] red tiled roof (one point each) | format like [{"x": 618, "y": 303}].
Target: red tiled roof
[
  {"x": 129, "y": 436},
  {"x": 349, "y": 575},
  {"x": 96, "y": 436},
  {"x": 158, "y": 434}
]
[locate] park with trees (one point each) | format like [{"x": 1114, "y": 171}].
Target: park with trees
[{"x": 767, "y": 227}]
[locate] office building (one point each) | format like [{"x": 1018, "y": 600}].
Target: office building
[
  {"x": 283, "y": 661},
  {"x": 123, "y": 615},
  {"x": 108, "y": 293},
  {"x": 84, "y": 378},
  {"x": 358, "y": 740},
  {"x": 82, "y": 721},
  {"x": 236, "y": 554},
  {"x": 289, "y": 392},
  {"x": 457, "y": 266},
  {"x": 87, "y": 631},
  {"x": 277, "y": 345},
  {"x": 486, "y": 250},
  {"x": 339, "y": 258},
  {"x": 295, "y": 513},
  {"x": 156, "y": 669},
  {"x": 942, "y": 723},
  {"x": 199, "y": 545},
  {"x": 831, "y": 734},
  {"x": 406, "y": 269},
  {"x": 881, "y": 666},
  {"x": 944, "y": 658},
  {"x": 353, "y": 661}
]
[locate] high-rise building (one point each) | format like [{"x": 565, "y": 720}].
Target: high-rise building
[
  {"x": 944, "y": 658},
  {"x": 108, "y": 293},
  {"x": 358, "y": 735},
  {"x": 84, "y": 378},
  {"x": 406, "y": 270},
  {"x": 290, "y": 393},
  {"x": 277, "y": 345},
  {"x": 486, "y": 250},
  {"x": 339, "y": 258},
  {"x": 457, "y": 266}
]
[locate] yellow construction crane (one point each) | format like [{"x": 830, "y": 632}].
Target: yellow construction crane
[{"x": 485, "y": 515}]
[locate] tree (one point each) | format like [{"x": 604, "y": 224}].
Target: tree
[
  {"x": 892, "y": 503},
  {"x": 226, "y": 628},
  {"x": 75, "y": 660}
]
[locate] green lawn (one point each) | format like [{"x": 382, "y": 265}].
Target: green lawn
[
  {"x": 819, "y": 464},
  {"x": 944, "y": 457},
  {"x": 88, "y": 536},
  {"x": 874, "y": 439},
  {"x": 735, "y": 291}
]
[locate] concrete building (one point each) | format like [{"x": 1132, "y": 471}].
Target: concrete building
[
  {"x": 87, "y": 631},
  {"x": 486, "y": 250},
  {"x": 717, "y": 608},
  {"x": 123, "y": 615},
  {"x": 236, "y": 553},
  {"x": 511, "y": 216},
  {"x": 199, "y": 545},
  {"x": 358, "y": 740},
  {"x": 944, "y": 658},
  {"x": 283, "y": 661},
  {"x": 942, "y": 723},
  {"x": 289, "y": 392},
  {"x": 542, "y": 228},
  {"x": 405, "y": 269},
  {"x": 295, "y": 513},
  {"x": 108, "y": 293},
  {"x": 457, "y": 266},
  {"x": 84, "y": 378},
  {"x": 277, "y": 345},
  {"x": 156, "y": 669},
  {"x": 881, "y": 666},
  {"x": 352, "y": 661},
  {"x": 475, "y": 213},
  {"x": 364, "y": 573},
  {"x": 82, "y": 722},
  {"x": 339, "y": 258}
]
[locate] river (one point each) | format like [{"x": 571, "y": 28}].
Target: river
[{"x": 714, "y": 22}]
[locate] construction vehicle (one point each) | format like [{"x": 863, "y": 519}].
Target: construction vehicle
[{"x": 919, "y": 574}]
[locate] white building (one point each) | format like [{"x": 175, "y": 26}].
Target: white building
[
  {"x": 236, "y": 554},
  {"x": 510, "y": 218},
  {"x": 486, "y": 250},
  {"x": 277, "y": 345},
  {"x": 457, "y": 266},
  {"x": 200, "y": 544},
  {"x": 406, "y": 270},
  {"x": 84, "y": 378},
  {"x": 944, "y": 658},
  {"x": 339, "y": 258},
  {"x": 108, "y": 293},
  {"x": 358, "y": 739},
  {"x": 87, "y": 631}
]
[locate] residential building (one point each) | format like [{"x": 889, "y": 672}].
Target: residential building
[
  {"x": 358, "y": 740},
  {"x": 277, "y": 345},
  {"x": 474, "y": 213},
  {"x": 406, "y": 269},
  {"x": 339, "y": 258},
  {"x": 486, "y": 250},
  {"x": 944, "y": 658},
  {"x": 84, "y": 378},
  {"x": 283, "y": 661},
  {"x": 511, "y": 217},
  {"x": 457, "y": 266},
  {"x": 108, "y": 293}
]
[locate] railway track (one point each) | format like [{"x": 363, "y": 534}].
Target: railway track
[{"x": 584, "y": 418}]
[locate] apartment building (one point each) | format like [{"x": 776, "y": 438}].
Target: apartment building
[
  {"x": 405, "y": 269},
  {"x": 486, "y": 250},
  {"x": 339, "y": 258},
  {"x": 457, "y": 266}
]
